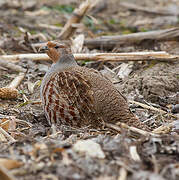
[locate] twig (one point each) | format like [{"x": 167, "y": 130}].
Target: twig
[
  {"x": 9, "y": 137},
  {"x": 28, "y": 124},
  {"x": 16, "y": 81},
  {"x": 133, "y": 152},
  {"x": 120, "y": 125},
  {"x": 78, "y": 14},
  {"x": 10, "y": 91},
  {"x": 122, "y": 174},
  {"x": 17, "y": 57},
  {"x": 36, "y": 102},
  {"x": 123, "y": 165},
  {"x": 151, "y": 108},
  {"x": 114, "y": 57},
  {"x": 77, "y": 44},
  {"x": 47, "y": 26},
  {"x": 5, "y": 174},
  {"x": 112, "y": 41},
  {"x": 52, "y": 135},
  {"x": 148, "y": 10},
  {"x": 164, "y": 129},
  {"x": 109, "y": 41},
  {"x": 164, "y": 34},
  {"x": 11, "y": 66},
  {"x": 147, "y": 107},
  {"x": 2, "y": 138}
]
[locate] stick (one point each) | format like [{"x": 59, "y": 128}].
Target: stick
[
  {"x": 122, "y": 174},
  {"x": 17, "y": 120},
  {"x": 2, "y": 137},
  {"x": 114, "y": 57},
  {"x": 151, "y": 108},
  {"x": 6, "y": 174},
  {"x": 133, "y": 129},
  {"x": 148, "y": 10},
  {"x": 47, "y": 26},
  {"x": 148, "y": 107},
  {"x": 111, "y": 41},
  {"x": 16, "y": 81},
  {"x": 164, "y": 129},
  {"x": 134, "y": 154},
  {"x": 11, "y": 66},
  {"x": 78, "y": 14},
  {"x": 9, "y": 137}
]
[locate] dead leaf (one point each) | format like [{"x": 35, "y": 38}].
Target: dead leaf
[
  {"x": 5, "y": 174},
  {"x": 4, "y": 123},
  {"x": 10, "y": 163},
  {"x": 77, "y": 43}
]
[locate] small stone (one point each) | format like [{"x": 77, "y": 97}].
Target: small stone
[
  {"x": 90, "y": 148},
  {"x": 43, "y": 67}
]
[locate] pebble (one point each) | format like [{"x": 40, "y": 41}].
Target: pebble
[{"x": 89, "y": 148}]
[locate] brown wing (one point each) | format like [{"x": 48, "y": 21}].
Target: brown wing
[
  {"x": 93, "y": 71},
  {"x": 110, "y": 104}
]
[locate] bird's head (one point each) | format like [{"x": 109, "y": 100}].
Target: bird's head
[{"x": 55, "y": 50}]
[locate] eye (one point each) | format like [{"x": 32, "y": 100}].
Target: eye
[{"x": 56, "y": 47}]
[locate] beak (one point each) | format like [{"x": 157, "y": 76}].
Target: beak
[{"x": 43, "y": 49}]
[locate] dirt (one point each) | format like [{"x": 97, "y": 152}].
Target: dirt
[
  {"x": 157, "y": 83},
  {"x": 153, "y": 83}
]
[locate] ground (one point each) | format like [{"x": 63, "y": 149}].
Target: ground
[{"x": 36, "y": 154}]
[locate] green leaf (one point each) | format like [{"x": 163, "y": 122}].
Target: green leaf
[{"x": 64, "y": 8}]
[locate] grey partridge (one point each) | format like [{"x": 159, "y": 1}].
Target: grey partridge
[{"x": 78, "y": 96}]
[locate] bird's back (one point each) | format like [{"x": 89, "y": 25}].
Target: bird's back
[{"x": 110, "y": 105}]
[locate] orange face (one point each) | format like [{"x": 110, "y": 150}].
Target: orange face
[{"x": 54, "y": 50}]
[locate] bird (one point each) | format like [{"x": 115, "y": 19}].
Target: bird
[{"x": 78, "y": 96}]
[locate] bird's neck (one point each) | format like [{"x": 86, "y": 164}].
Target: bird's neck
[{"x": 65, "y": 61}]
